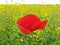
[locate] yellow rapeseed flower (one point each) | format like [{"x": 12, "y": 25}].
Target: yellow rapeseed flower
[
  {"x": 14, "y": 17},
  {"x": 47, "y": 30},
  {"x": 31, "y": 36},
  {"x": 2, "y": 7},
  {"x": 37, "y": 36},
  {"x": 34, "y": 35},
  {"x": 58, "y": 28},
  {"x": 57, "y": 31},
  {"x": 46, "y": 14},
  {"x": 21, "y": 39},
  {"x": 48, "y": 18}
]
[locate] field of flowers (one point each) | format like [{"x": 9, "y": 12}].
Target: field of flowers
[{"x": 10, "y": 33}]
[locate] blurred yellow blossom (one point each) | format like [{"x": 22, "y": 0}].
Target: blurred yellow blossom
[
  {"x": 31, "y": 36},
  {"x": 2, "y": 7},
  {"x": 21, "y": 39},
  {"x": 48, "y": 30},
  {"x": 14, "y": 17},
  {"x": 34, "y": 35},
  {"x": 46, "y": 14},
  {"x": 37, "y": 36},
  {"x": 58, "y": 28}
]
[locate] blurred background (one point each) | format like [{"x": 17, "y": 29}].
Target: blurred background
[
  {"x": 12, "y": 10},
  {"x": 10, "y": 33}
]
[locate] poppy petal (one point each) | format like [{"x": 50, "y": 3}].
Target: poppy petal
[
  {"x": 35, "y": 25},
  {"x": 28, "y": 20},
  {"x": 43, "y": 24},
  {"x": 24, "y": 30}
]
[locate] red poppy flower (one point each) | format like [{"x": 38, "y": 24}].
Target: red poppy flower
[{"x": 30, "y": 23}]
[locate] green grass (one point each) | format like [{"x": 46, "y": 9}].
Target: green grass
[{"x": 10, "y": 33}]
